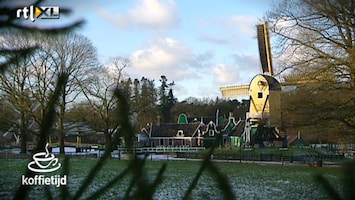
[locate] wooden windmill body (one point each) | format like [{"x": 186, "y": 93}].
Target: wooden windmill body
[{"x": 263, "y": 121}]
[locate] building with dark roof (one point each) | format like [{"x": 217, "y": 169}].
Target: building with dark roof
[
  {"x": 192, "y": 132},
  {"x": 171, "y": 134}
]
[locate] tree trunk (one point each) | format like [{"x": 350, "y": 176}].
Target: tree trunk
[
  {"x": 23, "y": 133},
  {"x": 61, "y": 134},
  {"x": 108, "y": 140},
  {"x": 352, "y": 67}
]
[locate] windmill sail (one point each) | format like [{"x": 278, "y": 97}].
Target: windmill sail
[
  {"x": 265, "y": 58},
  {"x": 264, "y": 48},
  {"x": 235, "y": 91}
]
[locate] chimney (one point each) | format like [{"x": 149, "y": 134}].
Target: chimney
[
  {"x": 158, "y": 120},
  {"x": 230, "y": 114},
  {"x": 231, "y": 118}
]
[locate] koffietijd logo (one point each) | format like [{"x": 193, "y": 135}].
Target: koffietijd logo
[
  {"x": 56, "y": 180},
  {"x": 44, "y": 162},
  {"x": 40, "y": 12}
]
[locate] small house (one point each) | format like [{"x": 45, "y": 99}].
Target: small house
[
  {"x": 232, "y": 132},
  {"x": 181, "y": 133},
  {"x": 210, "y": 134}
]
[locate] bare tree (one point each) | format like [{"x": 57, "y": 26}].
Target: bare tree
[
  {"x": 316, "y": 42},
  {"x": 15, "y": 55},
  {"x": 69, "y": 54},
  {"x": 317, "y": 37},
  {"x": 30, "y": 81},
  {"x": 15, "y": 85},
  {"x": 98, "y": 91},
  {"x": 42, "y": 77},
  {"x": 8, "y": 20}
]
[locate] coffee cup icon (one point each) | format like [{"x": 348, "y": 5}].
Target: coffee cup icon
[{"x": 44, "y": 162}]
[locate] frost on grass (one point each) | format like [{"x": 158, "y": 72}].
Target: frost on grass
[
  {"x": 274, "y": 188},
  {"x": 248, "y": 181}
]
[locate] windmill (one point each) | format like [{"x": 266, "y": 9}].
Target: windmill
[{"x": 263, "y": 121}]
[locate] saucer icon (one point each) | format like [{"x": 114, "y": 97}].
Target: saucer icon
[{"x": 44, "y": 162}]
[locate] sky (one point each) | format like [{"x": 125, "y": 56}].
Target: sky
[{"x": 201, "y": 45}]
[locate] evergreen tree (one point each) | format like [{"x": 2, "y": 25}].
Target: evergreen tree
[
  {"x": 136, "y": 96},
  {"x": 125, "y": 87},
  {"x": 171, "y": 100},
  {"x": 148, "y": 93},
  {"x": 166, "y": 100}
]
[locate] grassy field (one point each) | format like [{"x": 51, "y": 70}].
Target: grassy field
[{"x": 248, "y": 181}]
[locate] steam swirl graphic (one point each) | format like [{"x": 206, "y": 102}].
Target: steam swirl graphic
[{"x": 44, "y": 162}]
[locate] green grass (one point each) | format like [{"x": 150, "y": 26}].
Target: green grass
[{"x": 248, "y": 181}]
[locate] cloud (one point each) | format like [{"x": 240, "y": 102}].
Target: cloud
[
  {"x": 247, "y": 62},
  {"x": 245, "y": 24},
  {"x": 225, "y": 74},
  {"x": 213, "y": 39},
  {"x": 193, "y": 74},
  {"x": 162, "y": 57},
  {"x": 201, "y": 61},
  {"x": 240, "y": 71},
  {"x": 152, "y": 15},
  {"x": 232, "y": 31},
  {"x": 178, "y": 63}
]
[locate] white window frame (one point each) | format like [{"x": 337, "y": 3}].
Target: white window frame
[{"x": 180, "y": 133}]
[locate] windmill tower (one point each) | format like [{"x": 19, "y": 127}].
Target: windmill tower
[{"x": 263, "y": 120}]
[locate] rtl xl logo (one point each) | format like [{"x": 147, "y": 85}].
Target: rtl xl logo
[{"x": 42, "y": 12}]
